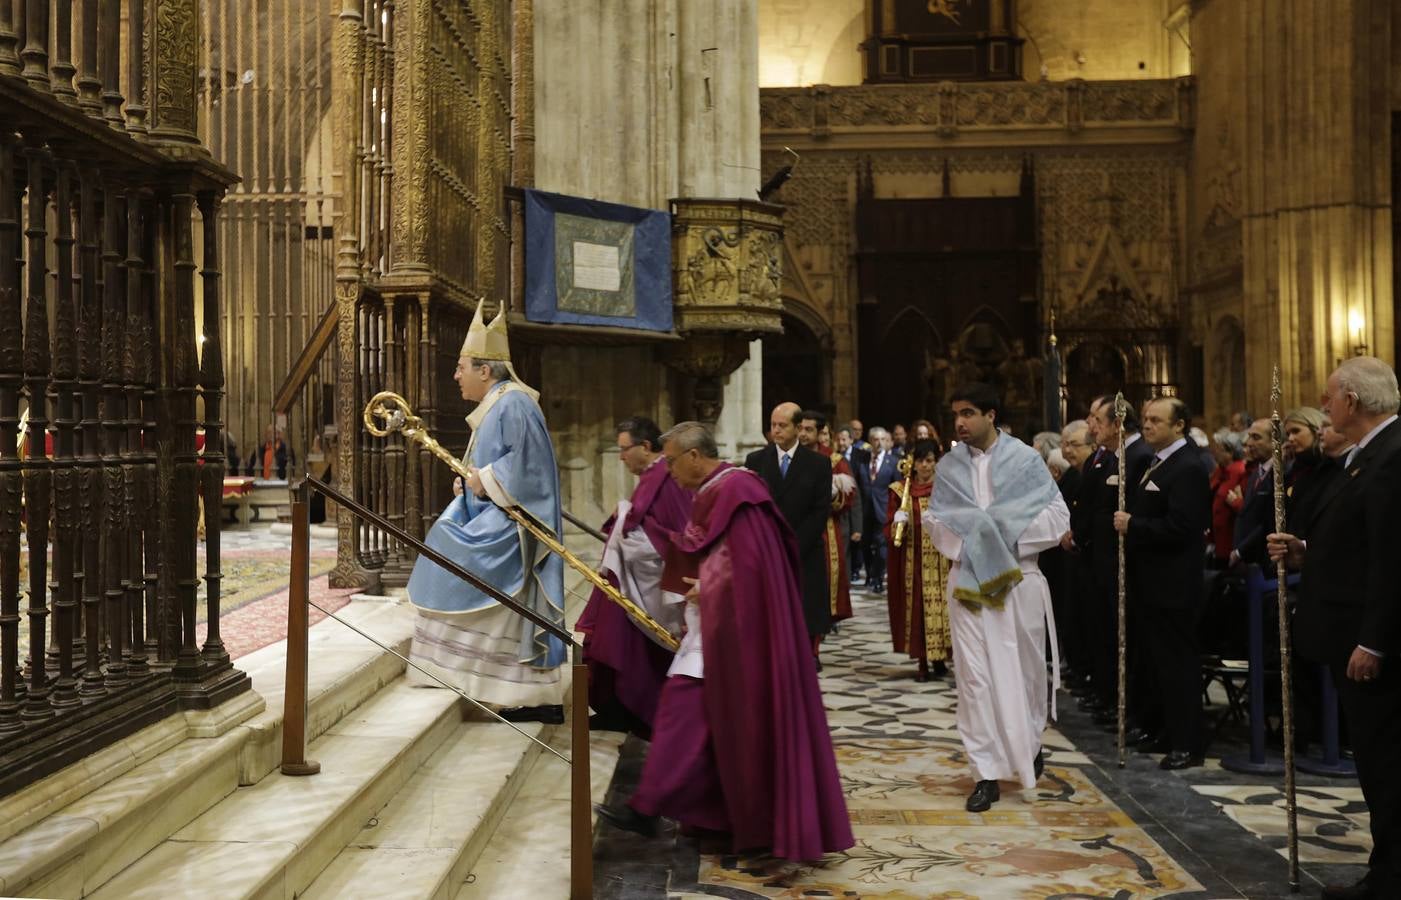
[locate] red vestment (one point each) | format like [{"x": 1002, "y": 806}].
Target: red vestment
[
  {"x": 838, "y": 575},
  {"x": 916, "y": 583}
]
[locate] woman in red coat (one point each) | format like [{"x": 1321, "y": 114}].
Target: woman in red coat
[
  {"x": 1226, "y": 479},
  {"x": 917, "y": 580}
]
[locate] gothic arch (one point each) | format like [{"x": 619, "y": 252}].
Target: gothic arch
[
  {"x": 1225, "y": 367},
  {"x": 920, "y": 317},
  {"x": 803, "y": 312}
]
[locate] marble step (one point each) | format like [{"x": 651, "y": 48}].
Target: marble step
[
  {"x": 69, "y": 833},
  {"x": 424, "y": 842},
  {"x": 344, "y": 671},
  {"x": 528, "y": 854},
  {"x": 271, "y": 840}
]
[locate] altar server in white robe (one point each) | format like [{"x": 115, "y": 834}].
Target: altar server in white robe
[{"x": 993, "y": 510}]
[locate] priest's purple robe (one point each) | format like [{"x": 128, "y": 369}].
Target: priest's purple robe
[
  {"x": 624, "y": 664},
  {"x": 758, "y": 736}
]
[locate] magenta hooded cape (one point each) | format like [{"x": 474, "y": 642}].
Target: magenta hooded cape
[
  {"x": 624, "y": 664},
  {"x": 772, "y": 746}
]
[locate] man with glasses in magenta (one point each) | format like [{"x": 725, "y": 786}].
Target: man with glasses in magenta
[{"x": 627, "y": 667}]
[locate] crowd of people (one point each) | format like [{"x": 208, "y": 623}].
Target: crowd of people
[{"x": 995, "y": 556}]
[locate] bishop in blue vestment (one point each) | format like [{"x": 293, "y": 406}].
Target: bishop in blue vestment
[{"x": 464, "y": 636}]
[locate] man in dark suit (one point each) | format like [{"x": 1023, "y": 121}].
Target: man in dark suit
[
  {"x": 1349, "y": 613},
  {"x": 860, "y": 462},
  {"x": 1092, "y": 525},
  {"x": 1077, "y": 448},
  {"x": 1168, "y": 512},
  {"x": 1254, "y": 501},
  {"x": 800, "y": 481},
  {"x": 881, "y": 471}
]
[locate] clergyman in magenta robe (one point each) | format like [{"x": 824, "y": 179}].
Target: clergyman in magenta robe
[
  {"x": 740, "y": 743},
  {"x": 627, "y": 666}
]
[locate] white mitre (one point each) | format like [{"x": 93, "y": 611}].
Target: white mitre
[{"x": 488, "y": 343}]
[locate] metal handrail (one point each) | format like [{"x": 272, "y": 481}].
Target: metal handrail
[
  {"x": 582, "y": 525},
  {"x": 400, "y": 534},
  {"x": 299, "y": 601}
]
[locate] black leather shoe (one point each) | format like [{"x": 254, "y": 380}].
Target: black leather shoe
[
  {"x": 1152, "y": 744},
  {"x": 1180, "y": 759},
  {"x": 984, "y": 795},
  {"x": 1360, "y": 891},
  {"x": 1038, "y": 765},
  {"x": 550, "y": 715},
  {"x": 1135, "y": 736},
  {"x": 628, "y": 819}
]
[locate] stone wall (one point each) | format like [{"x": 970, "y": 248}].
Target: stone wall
[
  {"x": 638, "y": 102},
  {"x": 1290, "y": 230}
]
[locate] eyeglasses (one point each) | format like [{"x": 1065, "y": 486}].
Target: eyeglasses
[
  {"x": 670, "y": 460},
  {"x": 622, "y": 450}
]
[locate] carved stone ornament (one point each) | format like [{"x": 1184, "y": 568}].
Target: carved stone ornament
[
  {"x": 727, "y": 266},
  {"x": 950, "y": 107}
]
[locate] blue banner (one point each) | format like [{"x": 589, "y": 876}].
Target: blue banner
[{"x": 593, "y": 263}]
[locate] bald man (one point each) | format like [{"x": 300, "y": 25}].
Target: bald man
[{"x": 800, "y": 481}]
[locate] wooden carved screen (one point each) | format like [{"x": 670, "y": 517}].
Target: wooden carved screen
[{"x": 109, "y": 259}]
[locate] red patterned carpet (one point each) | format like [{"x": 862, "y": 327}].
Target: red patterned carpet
[{"x": 262, "y": 622}]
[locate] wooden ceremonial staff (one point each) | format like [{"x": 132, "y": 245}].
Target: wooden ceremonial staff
[
  {"x": 1285, "y": 656},
  {"x": 1121, "y": 409},
  {"x": 397, "y": 416}
]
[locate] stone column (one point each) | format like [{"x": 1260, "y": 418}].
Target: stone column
[
  {"x": 641, "y": 102},
  {"x": 1317, "y": 214},
  {"x": 718, "y": 155}
]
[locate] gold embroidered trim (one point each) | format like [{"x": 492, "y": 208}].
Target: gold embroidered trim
[
  {"x": 992, "y": 593},
  {"x": 834, "y": 569}
]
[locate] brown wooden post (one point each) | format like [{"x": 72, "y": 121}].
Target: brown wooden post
[
  {"x": 36, "y": 466},
  {"x": 65, "y": 367},
  {"x": 11, "y": 379},
  {"x": 212, "y": 390},
  {"x": 294, "y": 694},
  {"x": 35, "y": 54},
  {"x": 62, "y": 69},
  {"x": 89, "y": 580},
  {"x": 136, "y": 66},
  {"x": 89, "y": 85},
  {"x": 109, "y": 64},
  {"x": 580, "y": 787},
  {"x": 9, "y": 41},
  {"x": 113, "y": 424},
  {"x": 134, "y": 353}
]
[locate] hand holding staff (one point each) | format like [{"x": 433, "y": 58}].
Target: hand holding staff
[
  {"x": 1121, "y": 409},
  {"x": 1285, "y": 662},
  {"x": 907, "y": 469}
]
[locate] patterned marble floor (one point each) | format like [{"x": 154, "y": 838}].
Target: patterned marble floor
[{"x": 905, "y": 780}]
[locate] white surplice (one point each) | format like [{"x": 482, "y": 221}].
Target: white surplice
[{"x": 999, "y": 655}]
